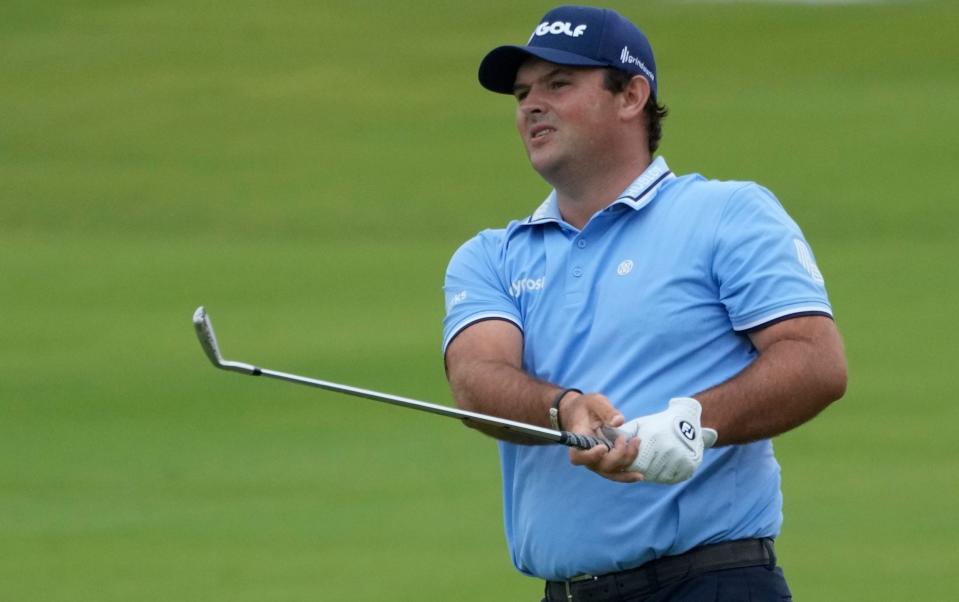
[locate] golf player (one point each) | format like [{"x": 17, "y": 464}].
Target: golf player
[{"x": 688, "y": 313}]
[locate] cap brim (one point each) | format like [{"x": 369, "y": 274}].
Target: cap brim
[{"x": 497, "y": 71}]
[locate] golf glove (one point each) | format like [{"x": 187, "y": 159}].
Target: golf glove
[{"x": 671, "y": 442}]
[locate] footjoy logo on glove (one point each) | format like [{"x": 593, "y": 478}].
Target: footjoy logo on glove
[
  {"x": 557, "y": 27},
  {"x": 688, "y": 430}
]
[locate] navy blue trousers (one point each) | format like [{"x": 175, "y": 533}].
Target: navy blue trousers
[{"x": 750, "y": 584}]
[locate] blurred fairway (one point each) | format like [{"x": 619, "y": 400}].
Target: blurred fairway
[{"x": 305, "y": 170}]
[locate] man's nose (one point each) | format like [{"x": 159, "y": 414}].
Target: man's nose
[{"x": 532, "y": 104}]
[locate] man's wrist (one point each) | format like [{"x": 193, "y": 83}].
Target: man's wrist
[{"x": 554, "y": 419}]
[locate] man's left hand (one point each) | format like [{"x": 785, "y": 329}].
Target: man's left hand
[{"x": 671, "y": 443}]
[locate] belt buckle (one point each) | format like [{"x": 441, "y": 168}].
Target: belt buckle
[{"x": 576, "y": 579}]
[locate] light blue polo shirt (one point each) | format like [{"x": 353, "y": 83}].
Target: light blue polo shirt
[{"x": 652, "y": 299}]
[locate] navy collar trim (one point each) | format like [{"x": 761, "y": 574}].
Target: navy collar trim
[{"x": 636, "y": 196}]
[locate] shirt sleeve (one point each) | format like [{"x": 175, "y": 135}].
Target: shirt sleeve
[
  {"x": 765, "y": 269},
  {"x": 475, "y": 288}
]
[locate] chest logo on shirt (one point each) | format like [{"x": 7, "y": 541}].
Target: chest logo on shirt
[
  {"x": 524, "y": 285},
  {"x": 625, "y": 267}
]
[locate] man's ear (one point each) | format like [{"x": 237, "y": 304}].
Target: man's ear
[{"x": 634, "y": 97}]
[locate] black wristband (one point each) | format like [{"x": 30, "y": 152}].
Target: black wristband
[{"x": 554, "y": 408}]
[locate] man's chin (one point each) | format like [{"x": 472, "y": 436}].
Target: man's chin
[{"x": 543, "y": 165}]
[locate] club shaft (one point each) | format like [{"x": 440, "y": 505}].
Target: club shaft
[
  {"x": 519, "y": 427},
  {"x": 207, "y": 338}
]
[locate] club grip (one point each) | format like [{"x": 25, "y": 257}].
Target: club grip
[{"x": 581, "y": 441}]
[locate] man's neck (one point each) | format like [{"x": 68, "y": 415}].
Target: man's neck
[{"x": 580, "y": 196}]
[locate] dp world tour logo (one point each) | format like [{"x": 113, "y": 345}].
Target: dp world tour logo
[
  {"x": 688, "y": 430},
  {"x": 627, "y": 59},
  {"x": 805, "y": 258}
]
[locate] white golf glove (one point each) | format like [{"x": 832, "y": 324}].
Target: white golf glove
[{"x": 671, "y": 442}]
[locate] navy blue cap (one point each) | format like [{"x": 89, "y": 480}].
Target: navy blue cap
[{"x": 579, "y": 36}]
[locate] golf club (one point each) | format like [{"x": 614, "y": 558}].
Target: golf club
[{"x": 204, "y": 332}]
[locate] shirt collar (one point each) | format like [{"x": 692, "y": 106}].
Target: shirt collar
[{"x": 636, "y": 196}]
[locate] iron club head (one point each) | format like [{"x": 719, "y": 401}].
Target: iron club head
[{"x": 204, "y": 332}]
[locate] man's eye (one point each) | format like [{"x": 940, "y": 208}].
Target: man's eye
[{"x": 558, "y": 84}]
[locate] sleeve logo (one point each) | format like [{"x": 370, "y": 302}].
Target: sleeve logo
[
  {"x": 455, "y": 300},
  {"x": 804, "y": 254}
]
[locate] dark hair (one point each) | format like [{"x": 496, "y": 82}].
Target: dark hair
[{"x": 616, "y": 81}]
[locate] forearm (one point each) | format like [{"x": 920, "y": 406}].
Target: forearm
[
  {"x": 792, "y": 380},
  {"x": 484, "y": 368},
  {"x": 499, "y": 389}
]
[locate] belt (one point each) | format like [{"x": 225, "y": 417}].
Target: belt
[{"x": 663, "y": 571}]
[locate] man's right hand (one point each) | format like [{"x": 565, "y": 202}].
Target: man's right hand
[{"x": 587, "y": 414}]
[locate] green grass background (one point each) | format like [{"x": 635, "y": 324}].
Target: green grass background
[{"x": 305, "y": 170}]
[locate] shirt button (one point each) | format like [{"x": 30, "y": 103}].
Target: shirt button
[
  {"x": 581, "y": 243},
  {"x": 577, "y": 272}
]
